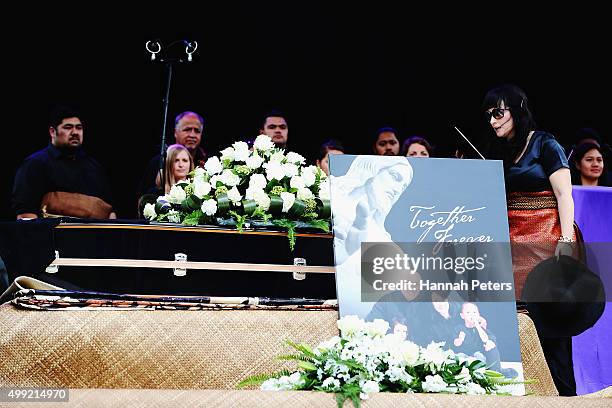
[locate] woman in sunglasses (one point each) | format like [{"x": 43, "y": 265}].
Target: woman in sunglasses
[{"x": 540, "y": 204}]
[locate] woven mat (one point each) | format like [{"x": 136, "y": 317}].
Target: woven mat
[
  {"x": 175, "y": 349},
  {"x": 299, "y": 399},
  {"x": 150, "y": 349}
]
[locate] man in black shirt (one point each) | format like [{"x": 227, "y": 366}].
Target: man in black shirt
[{"x": 62, "y": 179}]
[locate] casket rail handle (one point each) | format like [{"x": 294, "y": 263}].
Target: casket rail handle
[
  {"x": 53, "y": 268},
  {"x": 298, "y": 275},
  {"x": 180, "y": 270}
]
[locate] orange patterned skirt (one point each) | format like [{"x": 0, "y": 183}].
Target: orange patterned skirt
[{"x": 533, "y": 219}]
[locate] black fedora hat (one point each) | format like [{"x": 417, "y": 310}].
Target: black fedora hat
[{"x": 563, "y": 297}]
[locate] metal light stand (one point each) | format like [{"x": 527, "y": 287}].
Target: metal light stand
[{"x": 154, "y": 47}]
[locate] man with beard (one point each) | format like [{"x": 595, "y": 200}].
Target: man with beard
[
  {"x": 386, "y": 143},
  {"x": 62, "y": 179}
]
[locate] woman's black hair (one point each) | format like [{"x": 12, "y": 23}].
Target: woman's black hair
[
  {"x": 330, "y": 144},
  {"x": 513, "y": 98}
]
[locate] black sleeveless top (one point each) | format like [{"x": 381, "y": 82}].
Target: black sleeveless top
[{"x": 544, "y": 156}]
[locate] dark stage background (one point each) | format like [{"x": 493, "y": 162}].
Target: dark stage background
[{"x": 334, "y": 74}]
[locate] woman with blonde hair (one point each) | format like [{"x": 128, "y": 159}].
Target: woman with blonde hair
[{"x": 178, "y": 165}]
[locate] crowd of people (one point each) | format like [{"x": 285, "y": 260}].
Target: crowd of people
[
  {"x": 64, "y": 173},
  {"x": 62, "y": 179}
]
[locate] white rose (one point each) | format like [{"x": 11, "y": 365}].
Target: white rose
[
  {"x": 309, "y": 175},
  {"x": 149, "y": 211},
  {"x": 263, "y": 143},
  {"x": 200, "y": 188},
  {"x": 377, "y": 328},
  {"x": 174, "y": 216},
  {"x": 176, "y": 195},
  {"x": 305, "y": 194},
  {"x": 258, "y": 181},
  {"x": 324, "y": 189},
  {"x": 293, "y": 157},
  {"x": 288, "y": 200},
  {"x": 297, "y": 182},
  {"x": 290, "y": 169},
  {"x": 254, "y": 161},
  {"x": 229, "y": 178},
  {"x": 350, "y": 324},
  {"x": 262, "y": 199},
  {"x": 199, "y": 173},
  {"x": 209, "y": 207},
  {"x": 234, "y": 195},
  {"x": 274, "y": 170},
  {"x": 241, "y": 151},
  {"x": 434, "y": 354},
  {"x": 213, "y": 166},
  {"x": 227, "y": 154},
  {"x": 434, "y": 383},
  {"x": 277, "y": 157},
  {"x": 410, "y": 352}
]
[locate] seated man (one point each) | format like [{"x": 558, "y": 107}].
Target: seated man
[
  {"x": 62, "y": 179},
  {"x": 188, "y": 127}
]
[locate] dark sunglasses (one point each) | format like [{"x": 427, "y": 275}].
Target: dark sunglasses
[{"x": 497, "y": 113}]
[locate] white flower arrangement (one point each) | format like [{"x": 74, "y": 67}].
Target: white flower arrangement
[
  {"x": 259, "y": 184},
  {"x": 364, "y": 359}
]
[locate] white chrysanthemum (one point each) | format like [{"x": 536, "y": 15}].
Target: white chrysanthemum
[
  {"x": 271, "y": 384},
  {"x": 288, "y": 200},
  {"x": 274, "y": 170},
  {"x": 295, "y": 158},
  {"x": 176, "y": 195},
  {"x": 201, "y": 187},
  {"x": 434, "y": 383},
  {"x": 149, "y": 211},
  {"x": 328, "y": 344},
  {"x": 474, "y": 389},
  {"x": 305, "y": 194},
  {"x": 229, "y": 178},
  {"x": 263, "y": 143},
  {"x": 290, "y": 170},
  {"x": 234, "y": 195},
  {"x": 349, "y": 325},
  {"x": 241, "y": 151},
  {"x": 258, "y": 181},
  {"x": 377, "y": 328},
  {"x": 262, "y": 199},
  {"x": 330, "y": 383},
  {"x": 409, "y": 352},
  {"x": 209, "y": 207},
  {"x": 297, "y": 182},
  {"x": 213, "y": 166},
  {"x": 464, "y": 376},
  {"x": 174, "y": 216},
  {"x": 227, "y": 154},
  {"x": 254, "y": 162},
  {"x": 324, "y": 189},
  {"x": 370, "y": 386}
]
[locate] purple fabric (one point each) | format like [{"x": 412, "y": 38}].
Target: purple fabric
[{"x": 591, "y": 350}]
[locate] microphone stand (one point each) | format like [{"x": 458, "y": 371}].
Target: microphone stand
[{"x": 154, "y": 47}]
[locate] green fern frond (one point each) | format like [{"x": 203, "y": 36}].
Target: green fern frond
[
  {"x": 259, "y": 378},
  {"x": 296, "y": 357}
]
